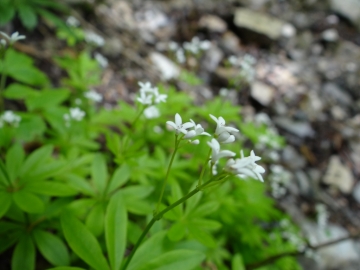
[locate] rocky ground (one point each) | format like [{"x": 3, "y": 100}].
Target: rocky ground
[{"x": 305, "y": 85}]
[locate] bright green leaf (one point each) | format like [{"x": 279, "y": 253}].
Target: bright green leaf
[
  {"x": 177, "y": 231},
  {"x": 95, "y": 219},
  {"x": 24, "y": 254},
  {"x": 150, "y": 249},
  {"x": 7, "y": 13},
  {"x": 37, "y": 158},
  {"x": 202, "y": 236},
  {"x": 51, "y": 247},
  {"x": 50, "y": 188},
  {"x": 237, "y": 263},
  {"x": 175, "y": 260},
  {"x": 99, "y": 173},
  {"x": 19, "y": 91},
  {"x": 14, "y": 159},
  {"x": 119, "y": 178},
  {"x": 115, "y": 230},
  {"x": 28, "y": 202},
  {"x": 83, "y": 242}
]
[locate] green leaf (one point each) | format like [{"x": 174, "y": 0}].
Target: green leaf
[
  {"x": 24, "y": 254},
  {"x": 66, "y": 268},
  {"x": 50, "y": 188},
  {"x": 47, "y": 99},
  {"x": 83, "y": 242},
  {"x": 31, "y": 126},
  {"x": 206, "y": 224},
  {"x": 205, "y": 209},
  {"x": 79, "y": 184},
  {"x": 27, "y": 16},
  {"x": 5, "y": 202},
  {"x": 28, "y": 202},
  {"x": 99, "y": 173},
  {"x": 14, "y": 159},
  {"x": 177, "y": 231},
  {"x": 115, "y": 230},
  {"x": 95, "y": 219},
  {"x": 175, "y": 260},
  {"x": 37, "y": 158},
  {"x": 7, "y": 13},
  {"x": 119, "y": 178},
  {"x": 20, "y": 67},
  {"x": 150, "y": 249},
  {"x": 202, "y": 236},
  {"x": 237, "y": 263},
  {"x": 51, "y": 247},
  {"x": 19, "y": 91}
]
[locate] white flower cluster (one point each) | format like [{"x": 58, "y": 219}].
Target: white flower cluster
[
  {"x": 293, "y": 237},
  {"x": 322, "y": 215},
  {"x": 11, "y": 39},
  {"x": 194, "y": 47},
  {"x": 93, "y": 96},
  {"x": 150, "y": 96},
  {"x": 75, "y": 114},
  {"x": 181, "y": 127},
  {"x": 10, "y": 118},
  {"x": 279, "y": 177},
  {"x": 246, "y": 63},
  {"x": 241, "y": 167},
  {"x": 93, "y": 38}
]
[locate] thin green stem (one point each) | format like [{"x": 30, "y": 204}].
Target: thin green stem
[
  {"x": 204, "y": 167},
  {"x": 159, "y": 215},
  {"x": 177, "y": 141},
  {"x": 2, "y": 84},
  {"x": 137, "y": 117}
]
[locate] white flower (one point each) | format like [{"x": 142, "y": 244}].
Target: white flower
[
  {"x": 180, "y": 56},
  {"x": 94, "y": 96},
  {"x": 145, "y": 87},
  {"x": 246, "y": 166},
  {"x": 223, "y": 132},
  {"x": 94, "y": 38},
  {"x": 3, "y": 42},
  {"x": 179, "y": 126},
  {"x": 75, "y": 114},
  {"x": 102, "y": 60},
  {"x": 14, "y": 37},
  {"x": 198, "y": 130},
  {"x": 145, "y": 99},
  {"x": 72, "y": 21},
  {"x": 216, "y": 153},
  {"x": 159, "y": 97},
  {"x": 151, "y": 112},
  {"x": 10, "y": 118}
]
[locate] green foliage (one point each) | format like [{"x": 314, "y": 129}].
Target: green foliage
[
  {"x": 80, "y": 193},
  {"x": 27, "y": 11}
]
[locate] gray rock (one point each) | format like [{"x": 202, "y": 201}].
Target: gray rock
[
  {"x": 301, "y": 129},
  {"x": 338, "y": 256},
  {"x": 260, "y": 23},
  {"x": 212, "y": 58},
  {"x": 230, "y": 43},
  {"x": 347, "y": 8},
  {"x": 303, "y": 183},
  {"x": 262, "y": 92},
  {"x": 336, "y": 94},
  {"x": 292, "y": 158},
  {"x": 339, "y": 175},
  {"x": 330, "y": 35},
  {"x": 213, "y": 23}
]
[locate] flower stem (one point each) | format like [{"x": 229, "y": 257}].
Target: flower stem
[
  {"x": 167, "y": 174},
  {"x": 159, "y": 215},
  {"x": 204, "y": 168}
]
